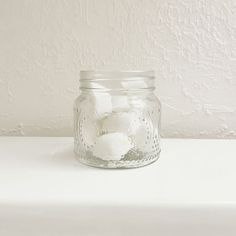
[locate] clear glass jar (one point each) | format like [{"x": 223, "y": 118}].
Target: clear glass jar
[{"x": 117, "y": 119}]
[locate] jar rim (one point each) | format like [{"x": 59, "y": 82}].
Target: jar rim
[
  {"x": 91, "y": 80},
  {"x": 116, "y": 74}
]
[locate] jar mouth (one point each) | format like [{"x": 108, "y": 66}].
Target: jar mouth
[
  {"x": 92, "y": 74},
  {"x": 117, "y": 80}
]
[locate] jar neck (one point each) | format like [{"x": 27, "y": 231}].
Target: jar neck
[{"x": 115, "y": 81}]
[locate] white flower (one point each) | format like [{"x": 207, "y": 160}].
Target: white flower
[{"x": 112, "y": 146}]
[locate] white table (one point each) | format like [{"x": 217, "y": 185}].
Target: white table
[{"x": 189, "y": 191}]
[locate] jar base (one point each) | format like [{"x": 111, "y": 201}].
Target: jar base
[{"x": 125, "y": 163}]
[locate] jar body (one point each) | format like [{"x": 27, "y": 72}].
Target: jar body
[{"x": 117, "y": 128}]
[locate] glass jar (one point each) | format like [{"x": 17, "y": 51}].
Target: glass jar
[{"x": 117, "y": 119}]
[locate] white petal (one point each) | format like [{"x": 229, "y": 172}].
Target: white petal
[
  {"x": 126, "y": 122},
  {"x": 89, "y": 132},
  {"x": 112, "y": 146},
  {"x": 99, "y": 102},
  {"x": 143, "y": 138},
  {"x": 102, "y": 104},
  {"x": 120, "y": 103}
]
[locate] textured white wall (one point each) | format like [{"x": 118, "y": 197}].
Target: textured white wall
[{"x": 191, "y": 44}]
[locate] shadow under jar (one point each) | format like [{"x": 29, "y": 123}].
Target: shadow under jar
[{"x": 117, "y": 119}]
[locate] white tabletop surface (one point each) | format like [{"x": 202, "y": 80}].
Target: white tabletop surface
[{"x": 190, "y": 174}]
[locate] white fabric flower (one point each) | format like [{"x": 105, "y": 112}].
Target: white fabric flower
[{"x": 112, "y": 146}]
